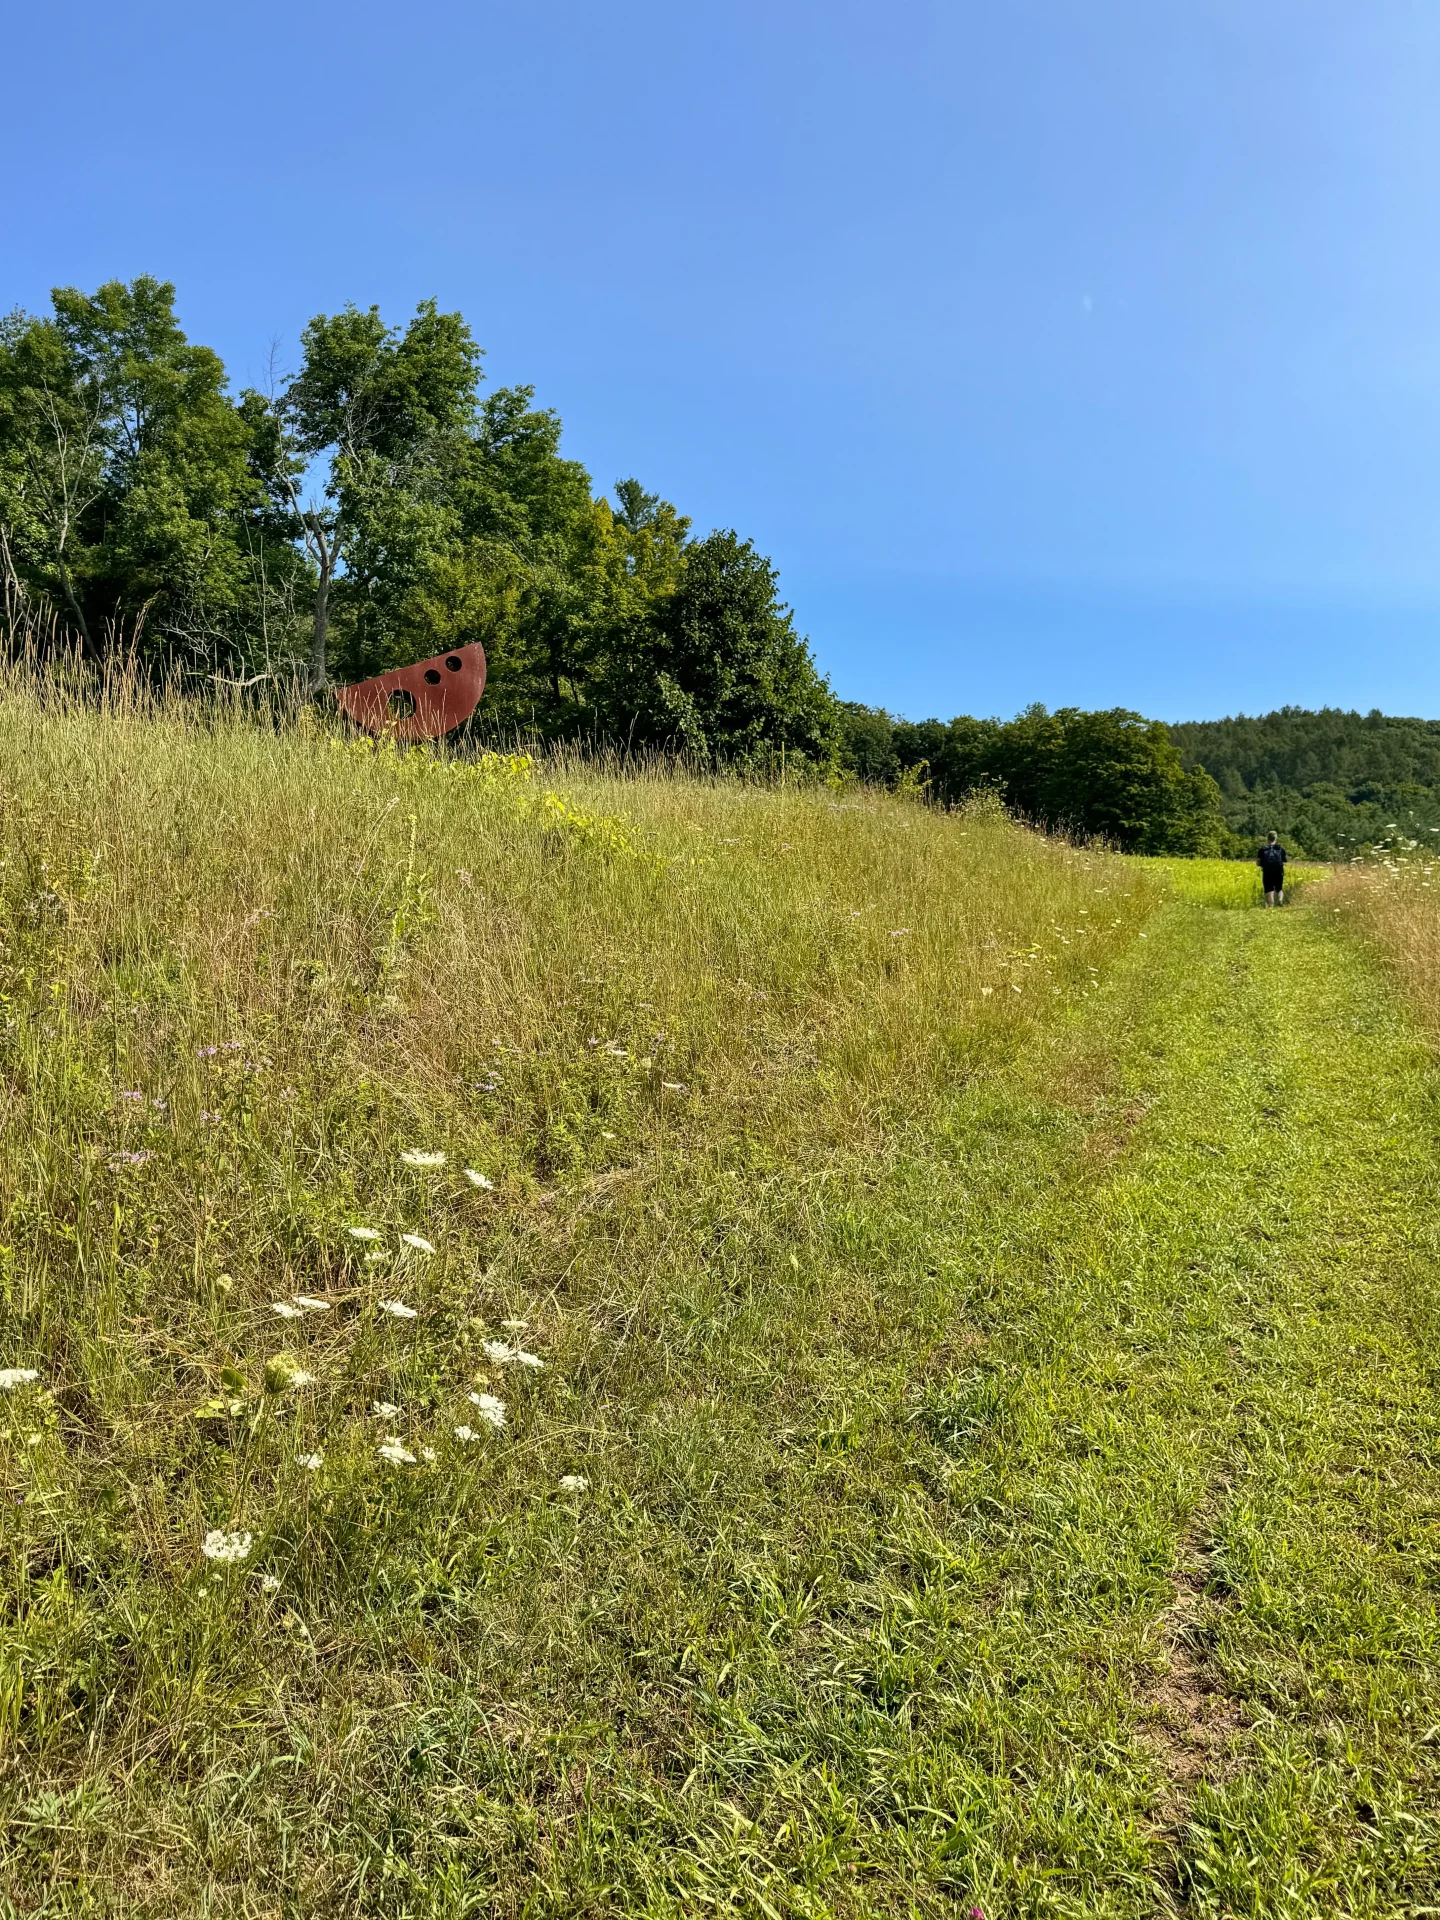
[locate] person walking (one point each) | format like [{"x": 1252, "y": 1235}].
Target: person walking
[{"x": 1271, "y": 861}]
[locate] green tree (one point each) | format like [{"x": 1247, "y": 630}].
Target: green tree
[
  {"x": 127, "y": 482},
  {"x": 727, "y": 676},
  {"x": 392, "y": 413},
  {"x": 867, "y": 743},
  {"x": 533, "y": 514},
  {"x": 52, "y": 459}
]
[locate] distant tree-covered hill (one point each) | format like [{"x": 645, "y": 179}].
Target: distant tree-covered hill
[{"x": 1327, "y": 782}]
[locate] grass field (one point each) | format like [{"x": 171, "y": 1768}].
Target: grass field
[{"x": 983, "y": 1451}]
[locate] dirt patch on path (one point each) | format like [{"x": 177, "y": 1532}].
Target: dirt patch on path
[{"x": 1193, "y": 1721}]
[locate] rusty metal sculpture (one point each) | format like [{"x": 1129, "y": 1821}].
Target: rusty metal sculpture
[{"x": 420, "y": 702}]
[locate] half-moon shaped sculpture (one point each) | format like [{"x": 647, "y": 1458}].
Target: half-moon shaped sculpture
[{"x": 420, "y": 702}]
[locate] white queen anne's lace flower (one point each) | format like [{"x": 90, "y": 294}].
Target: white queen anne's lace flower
[
  {"x": 12, "y": 1377},
  {"x": 490, "y": 1407},
  {"x": 384, "y": 1409},
  {"x": 418, "y": 1241},
  {"x": 504, "y": 1355},
  {"x": 574, "y": 1483},
  {"x": 312, "y": 1462},
  {"x": 363, "y": 1233},
  {"x": 465, "y": 1433},
  {"x": 307, "y": 1303},
  {"x": 413, "y": 1157},
  {"x": 478, "y": 1179},
  {"x": 397, "y": 1309},
  {"x": 219, "y": 1545},
  {"x": 287, "y": 1312},
  {"x": 396, "y": 1453}
]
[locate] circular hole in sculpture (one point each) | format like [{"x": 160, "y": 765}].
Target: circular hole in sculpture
[
  {"x": 400, "y": 705},
  {"x": 432, "y": 678},
  {"x": 453, "y": 662}
]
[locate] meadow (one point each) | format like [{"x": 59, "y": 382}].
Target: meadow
[{"x": 580, "y": 1343}]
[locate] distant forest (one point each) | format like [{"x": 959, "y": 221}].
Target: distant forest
[{"x": 1329, "y": 783}]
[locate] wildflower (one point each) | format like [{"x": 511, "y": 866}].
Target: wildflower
[
  {"x": 397, "y": 1454},
  {"x": 132, "y": 1093},
  {"x": 286, "y": 1312},
  {"x": 503, "y": 1354},
  {"x": 204, "y": 1115},
  {"x": 270, "y": 1582},
  {"x": 363, "y": 1233},
  {"x": 312, "y": 1462},
  {"x": 414, "y": 1158},
  {"x": 674, "y": 1086},
  {"x": 385, "y": 1410},
  {"x": 219, "y": 1545},
  {"x": 465, "y": 1433},
  {"x": 420, "y": 1244},
  {"x": 118, "y": 1160},
  {"x": 490, "y": 1407},
  {"x": 11, "y": 1377},
  {"x": 427, "y": 1454},
  {"x": 478, "y": 1179},
  {"x": 987, "y": 990},
  {"x": 515, "y": 1326},
  {"x": 283, "y": 1373},
  {"x": 895, "y": 932},
  {"x": 397, "y": 1309},
  {"x": 309, "y": 1304},
  {"x": 574, "y": 1483},
  {"x": 206, "y": 1053}
]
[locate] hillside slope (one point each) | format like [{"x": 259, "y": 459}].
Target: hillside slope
[{"x": 342, "y": 1087}]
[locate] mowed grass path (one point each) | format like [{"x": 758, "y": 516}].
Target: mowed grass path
[
  {"x": 1175, "y": 1644},
  {"x": 1084, "y": 1555}
]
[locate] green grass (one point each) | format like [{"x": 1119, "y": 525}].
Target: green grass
[
  {"x": 1009, "y": 1417},
  {"x": 1226, "y": 883}
]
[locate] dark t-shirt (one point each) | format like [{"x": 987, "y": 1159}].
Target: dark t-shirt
[{"x": 1271, "y": 862}]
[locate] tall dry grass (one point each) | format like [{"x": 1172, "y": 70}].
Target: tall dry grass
[{"x": 1390, "y": 903}]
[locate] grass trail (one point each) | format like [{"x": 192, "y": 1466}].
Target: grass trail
[
  {"x": 1177, "y": 1644},
  {"x": 1090, "y": 1567}
]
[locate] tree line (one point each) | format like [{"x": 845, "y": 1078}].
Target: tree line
[
  {"x": 369, "y": 509},
  {"x": 1111, "y": 775}
]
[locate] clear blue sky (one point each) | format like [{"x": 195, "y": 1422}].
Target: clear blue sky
[{"x": 1083, "y": 351}]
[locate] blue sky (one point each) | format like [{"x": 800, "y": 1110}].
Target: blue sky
[{"x": 1082, "y": 351}]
